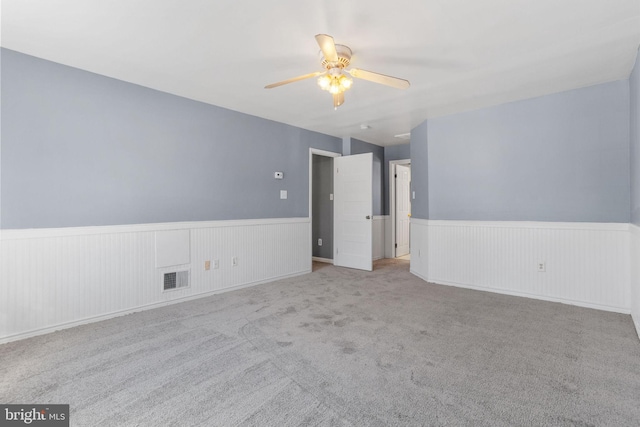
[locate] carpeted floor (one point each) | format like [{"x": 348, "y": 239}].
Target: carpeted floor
[{"x": 338, "y": 347}]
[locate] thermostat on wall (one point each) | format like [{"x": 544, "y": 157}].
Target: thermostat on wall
[{"x": 278, "y": 175}]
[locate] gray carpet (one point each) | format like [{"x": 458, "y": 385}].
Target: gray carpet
[{"x": 338, "y": 347}]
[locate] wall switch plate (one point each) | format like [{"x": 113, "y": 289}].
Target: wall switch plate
[
  {"x": 331, "y": 196},
  {"x": 541, "y": 267},
  {"x": 413, "y": 194},
  {"x": 319, "y": 242},
  {"x": 216, "y": 264},
  {"x": 234, "y": 261},
  {"x": 278, "y": 175},
  {"x": 207, "y": 265},
  {"x": 283, "y": 194}
]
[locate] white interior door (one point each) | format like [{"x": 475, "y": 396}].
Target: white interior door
[
  {"x": 403, "y": 209},
  {"x": 352, "y": 211}
]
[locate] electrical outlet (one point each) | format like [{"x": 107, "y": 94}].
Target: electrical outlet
[
  {"x": 216, "y": 264},
  {"x": 234, "y": 261},
  {"x": 542, "y": 267},
  {"x": 207, "y": 265},
  {"x": 319, "y": 242}
]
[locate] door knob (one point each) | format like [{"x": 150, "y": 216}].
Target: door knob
[{"x": 368, "y": 216}]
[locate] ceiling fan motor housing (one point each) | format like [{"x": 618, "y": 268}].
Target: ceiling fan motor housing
[{"x": 344, "y": 58}]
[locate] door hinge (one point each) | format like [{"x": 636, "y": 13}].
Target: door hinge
[
  {"x": 395, "y": 176},
  {"x": 396, "y": 246}
]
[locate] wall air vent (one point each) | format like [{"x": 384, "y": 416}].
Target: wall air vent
[
  {"x": 403, "y": 135},
  {"x": 176, "y": 280}
]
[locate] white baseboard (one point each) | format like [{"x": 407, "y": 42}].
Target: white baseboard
[
  {"x": 415, "y": 273},
  {"x": 533, "y": 296},
  {"x": 107, "y": 316},
  {"x": 319, "y": 259}
]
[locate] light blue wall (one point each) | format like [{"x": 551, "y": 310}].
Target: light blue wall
[
  {"x": 393, "y": 152},
  {"x": 634, "y": 89},
  {"x": 420, "y": 172},
  {"x": 82, "y": 149},
  {"x": 360, "y": 147},
  {"x": 561, "y": 157}
]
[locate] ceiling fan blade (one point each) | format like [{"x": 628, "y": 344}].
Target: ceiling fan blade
[
  {"x": 328, "y": 47},
  {"x": 295, "y": 79},
  {"x": 380, "y": 78},
  {"x": 338, "y": 100}
]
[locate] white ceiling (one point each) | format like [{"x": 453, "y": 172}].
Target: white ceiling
[{"x": 458, "y": 54}]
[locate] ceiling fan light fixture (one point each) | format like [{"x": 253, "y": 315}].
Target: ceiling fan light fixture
[
  {"x": 345, "y": 82},
  {"x": 324, "y": 82},
  {"x": 335, "y": 83}
]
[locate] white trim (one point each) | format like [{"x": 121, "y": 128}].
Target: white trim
[
  {"x": 392, "y": 200},
  {"x": 532, "y": 296},
  {"x": 38, "y": 233},
  {"x": 415, "y": 273},
  {"x": 324, "y": 152},
  {"x": 317, "y": 152},
  {"x": 92, "y": 319},
  {"x": 609, "y": 226},
  {"x": 319, "y": 259}
]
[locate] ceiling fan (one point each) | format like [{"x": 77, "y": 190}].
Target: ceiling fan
[{"x": 335, "y": 78}]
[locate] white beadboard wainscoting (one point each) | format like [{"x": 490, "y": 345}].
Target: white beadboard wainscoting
[
  {"x": 378, "y": 236},
  {"x": 585, "y": 264},
  {"x": 388, "y": 241},
  {"x": 56, "y": 278},
  {"x": 634, "y": 233}
]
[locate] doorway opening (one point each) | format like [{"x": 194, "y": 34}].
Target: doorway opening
[
  {"x": 321, "y": 204},
  {"x": 400, "y": 208}
]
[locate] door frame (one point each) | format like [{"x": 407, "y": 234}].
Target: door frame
[
  {"x": 392, "y": 200},
  {"x": 317, "y": 152}
]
